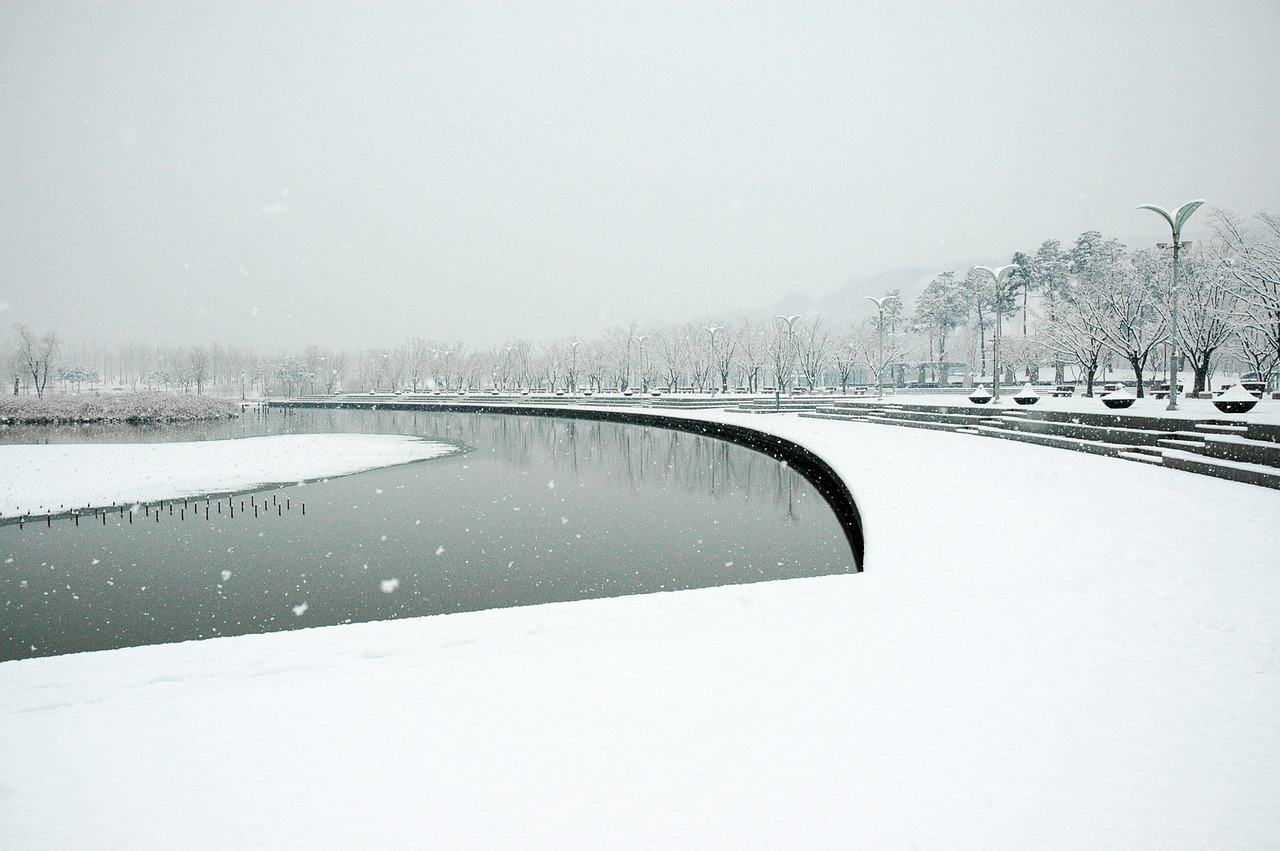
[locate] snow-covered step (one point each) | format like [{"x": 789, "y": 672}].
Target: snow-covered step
[
  {"x": 1141, "y": 456},
  {"x": 1236, "y": 471},
  {"x": 1230, "y": 447},
  {"x": 1094, "y": 447},
  {"x": 1222, "y": 428},
  {"x": 1182, "y": 443},
  {"x": 832, "y": 415},
  {"x": 929, "y": 424}
]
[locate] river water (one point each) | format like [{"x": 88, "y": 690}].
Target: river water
[{"x": 532, "y": 510}]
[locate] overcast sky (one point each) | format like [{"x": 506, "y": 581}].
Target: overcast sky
[{"x": 354, "y": 174}]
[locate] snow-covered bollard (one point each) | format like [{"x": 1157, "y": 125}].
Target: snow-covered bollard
[
  {"x": 980, "y": 396},
  {"x": 1119, "y": 398},
  {"x": 1237, "y": 400},
  {"x": 1027, "y": 395}
]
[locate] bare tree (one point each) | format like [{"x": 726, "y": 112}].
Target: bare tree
[
  {"x": 1207, "y": 313},
  {"x": 1251, "y": 258},
  {"x": 753, "y": 345},
  {"x": 672, "y": 349},
  {"x": 1132, "y": 327},
  {"x": 37, "y": 355},
  {"x": 813, "y": 350},
  {"x": 197, "y": 366}
]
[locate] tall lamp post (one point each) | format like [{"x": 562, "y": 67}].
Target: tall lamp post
[
  {"x": 644, "y": 376},
  {"x": 998, "y": 279},
  {"x": 791, "y": 348},
  {"x": 573, "y": 368},
  {"x": 711, "y": 331},
  {"x": 1176, "y": 220},
  {"x": 879, "y": 303}
]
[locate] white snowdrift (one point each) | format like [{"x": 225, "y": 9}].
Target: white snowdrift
[
  {"x": 57, "y": 477},
  {"x": 1034, "y": 657}
]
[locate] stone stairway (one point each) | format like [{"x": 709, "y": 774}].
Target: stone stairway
[{"x": 1234, "y": 450}]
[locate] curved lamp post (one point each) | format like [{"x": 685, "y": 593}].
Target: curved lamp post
[
  {"x": 711, "y": 331},
  {"x": 644, "y": 376},
  {"x": 791, "y": 343},
  {"x": 1176, "y": 220},
  {"x": 879, "y": 303},
  {"x": 998, "y": 278},
  {"x": 573, "y": 369}
]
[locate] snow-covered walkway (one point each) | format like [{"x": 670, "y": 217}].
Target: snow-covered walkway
[{"x": 1041, "y": 653}]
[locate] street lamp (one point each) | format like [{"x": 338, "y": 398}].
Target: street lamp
[
  {"x": 573, "y": 369},
  {"x": 711, "y": 331},
  {"x": 506, "y": 370},
  {"x": 644, "y": 376},
  {"x": 998, "y": 278},
  {"x": 879, "y": 303},
  {"x": 791, "y": 347},
  {"x": 1176, "y": 221}
]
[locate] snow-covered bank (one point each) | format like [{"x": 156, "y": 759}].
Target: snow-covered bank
[
  {"x": 1104, "y": 682},
  {"x": 57, "y": 477}
]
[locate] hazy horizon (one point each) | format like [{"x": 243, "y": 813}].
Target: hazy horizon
[{"x": 275, "y": 174}]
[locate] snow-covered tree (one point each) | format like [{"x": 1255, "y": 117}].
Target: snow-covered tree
[
  {"x": 1251, "y": 259},
  {"x": 940, "y": 308},
  {"x": 37, "y": 354}
]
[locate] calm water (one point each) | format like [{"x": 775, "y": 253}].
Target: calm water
[{"x": 535, "y": 510}]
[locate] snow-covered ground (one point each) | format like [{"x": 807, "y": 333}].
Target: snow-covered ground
[
  {"x": 57, "y": 477},
  {"x": 1047, "y": 649}
]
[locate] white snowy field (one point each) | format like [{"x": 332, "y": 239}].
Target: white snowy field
[
  {"x": 56, "y": 477},
  {"x": 1047, "y": 649}
]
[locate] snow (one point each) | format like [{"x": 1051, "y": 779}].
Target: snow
[
  {"x": 56, "y": 477},
  {"x": 1038, "y": 654}
]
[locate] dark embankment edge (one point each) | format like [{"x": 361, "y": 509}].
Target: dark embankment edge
[{"x": 809, "y": 465}]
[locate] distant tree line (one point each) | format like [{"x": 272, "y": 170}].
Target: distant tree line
[{"x": 1074, "y": 309}]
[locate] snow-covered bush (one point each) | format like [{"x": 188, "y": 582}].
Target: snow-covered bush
[{"x": 119, "y": 407}]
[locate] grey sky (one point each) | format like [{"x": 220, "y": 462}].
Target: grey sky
[{"x": 354, "y": 174}]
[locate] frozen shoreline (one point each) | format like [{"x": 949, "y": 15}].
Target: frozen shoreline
[
  {"x": 1103, "y": 684},
  {"x": 58, "y": 477}
]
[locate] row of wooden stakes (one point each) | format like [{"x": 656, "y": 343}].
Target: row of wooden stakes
[{"x": 187, "y": 506}]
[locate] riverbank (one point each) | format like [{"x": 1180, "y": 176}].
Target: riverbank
[
  {"x": 1028, "y": 661},
  {"x": 134, "y": 408},
  {"x": 55, "y": 478}
]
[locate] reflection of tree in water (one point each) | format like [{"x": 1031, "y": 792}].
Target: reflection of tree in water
[
  {"x": 636, "y": 456},
  {"x": 630, "y": 455}
]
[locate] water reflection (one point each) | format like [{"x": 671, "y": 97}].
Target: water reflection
[{"x": 539, "y": 510}]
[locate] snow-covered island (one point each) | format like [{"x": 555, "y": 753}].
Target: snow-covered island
[{"x": 1035, "y": 656}]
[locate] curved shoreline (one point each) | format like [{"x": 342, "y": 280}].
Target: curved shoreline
[
  {"x": 61, "y": 480},
  {"x": 816, "y": 470}
]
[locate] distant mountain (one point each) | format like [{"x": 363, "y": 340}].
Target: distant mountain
[{"x": 849, "y": 303}]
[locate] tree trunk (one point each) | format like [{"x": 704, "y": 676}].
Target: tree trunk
[
  {"x": 1200, "y": 366},
  {"x": 1137, "y": 372}
]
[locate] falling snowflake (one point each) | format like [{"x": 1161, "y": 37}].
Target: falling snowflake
[
  {"x": 300, "y": 609},
  {"x": 389, "y": 585},
  {"x": 439, "y": 551},
  {"x": 226, "y": 574},
  {"x": 551, "y": 485}
]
